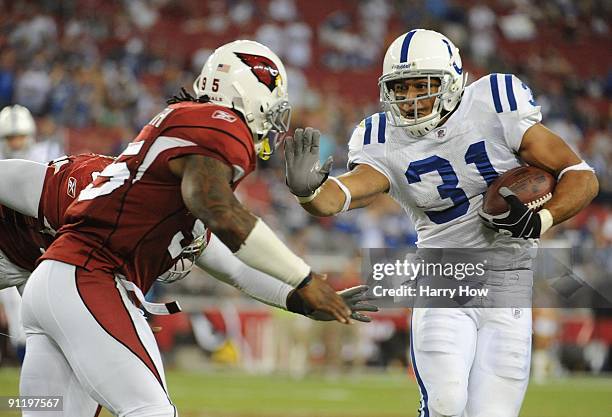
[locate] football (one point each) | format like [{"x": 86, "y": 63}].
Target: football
[{"x": 533, "y": 186}]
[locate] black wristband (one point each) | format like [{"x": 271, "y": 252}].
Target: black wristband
[
  {"x": 305, "y": 281},
  {"x": 296, "y": 304}
]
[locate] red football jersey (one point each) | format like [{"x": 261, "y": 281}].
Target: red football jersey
[
  {"x": 20, "y": 238},
  {"x": 132, "y": 220},
  {"x": 65, "y": 179},
  {"x": 23, "y": 238}
]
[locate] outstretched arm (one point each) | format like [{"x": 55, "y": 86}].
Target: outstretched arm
[
  {"x": 220, "y": 263},
  {"x": 319, "y": 194},
  {"x": 21, "y": 185}
]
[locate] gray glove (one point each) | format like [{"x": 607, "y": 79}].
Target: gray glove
[
  {"x": 304, "y": 173},
  {"x": 354, "y": 298}
]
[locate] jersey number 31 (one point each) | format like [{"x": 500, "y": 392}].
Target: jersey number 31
[{"x": 477, "y": 155}]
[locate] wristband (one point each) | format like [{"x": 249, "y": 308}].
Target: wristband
[
  {"x": 305, "y": 282},
  {"x": 582, "y": 166},
  {"x": 346, "y": 191},
  {"x": 296, "y": 304},
  {"x": 546, "y": 220},
  {"x": 308, "y": 199}
]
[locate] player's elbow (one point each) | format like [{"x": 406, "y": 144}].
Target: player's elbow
[
  {"x": 322, "y": 210},
  {"x": 192, "y": 197},
  {"x": 219, "y": 223},
  {"x": 593, "y": 187}
]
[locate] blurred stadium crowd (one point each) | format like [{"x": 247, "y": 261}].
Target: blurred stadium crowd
[{"x": 94, "y": 72}]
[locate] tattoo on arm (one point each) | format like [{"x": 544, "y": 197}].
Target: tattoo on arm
[{"x": 208, "y": 195}]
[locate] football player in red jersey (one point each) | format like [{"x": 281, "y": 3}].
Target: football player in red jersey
[
  {"x": 136, "y": 218},
  {"x": 33, "y": 199},
  {"x": 38, "y": 196}
]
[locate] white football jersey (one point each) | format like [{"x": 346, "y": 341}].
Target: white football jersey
[{"x": 440, "y": 178}]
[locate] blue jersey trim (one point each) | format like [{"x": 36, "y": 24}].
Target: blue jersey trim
[
  {"x": 382, "y": 123},
  {"x": 367, "y": 137},
  {"x": 495, "y": 92},
  {"x": 510, "y": 92}
]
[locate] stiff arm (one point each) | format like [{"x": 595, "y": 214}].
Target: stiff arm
[
  {"x": 323, "y": 196},
  {"x": 363, "y": 182}
]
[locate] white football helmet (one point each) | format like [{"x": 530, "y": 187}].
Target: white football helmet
[
  {"x": 426, "y": 54},
  {"x": 248, "y": 77},
  {"x": 16, "y": 120}
]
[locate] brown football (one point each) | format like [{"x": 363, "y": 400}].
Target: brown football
[{"x": 533, "y": 186}]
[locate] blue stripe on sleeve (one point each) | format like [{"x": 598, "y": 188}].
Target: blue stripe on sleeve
[
  {"x": 495, "y": 92},
  {"x": 382, "y": 123},
  {"x": 406, "y": 45},
  {"x": 510, "y": 92},
  {"x": 367, "y": 137}
]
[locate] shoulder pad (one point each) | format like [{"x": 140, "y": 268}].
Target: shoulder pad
[{"x": 203, "y": 115}]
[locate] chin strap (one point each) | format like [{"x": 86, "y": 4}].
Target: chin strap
[{"x": 264, "y": 150}]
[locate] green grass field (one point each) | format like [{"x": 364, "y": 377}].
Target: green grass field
[{"x": 239, "y": 395}]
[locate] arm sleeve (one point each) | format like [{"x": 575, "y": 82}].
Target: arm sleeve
[
  {"x": 363, "y": 149},
  {"x": 223, "y": 265},
  {"x": 22, "y": 185},
  {"x": 519, "y": 109}
]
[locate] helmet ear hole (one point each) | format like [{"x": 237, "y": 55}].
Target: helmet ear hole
[{"x": 261, "y": 109}]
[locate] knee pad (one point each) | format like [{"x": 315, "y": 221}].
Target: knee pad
[
  {"x": 510, "y": 355},
  {"x": 448, "y": 401}
]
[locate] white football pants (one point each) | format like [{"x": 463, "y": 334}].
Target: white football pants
[
  {"x": 87, "y": 342},
  {"x": 471, "y": 362}
]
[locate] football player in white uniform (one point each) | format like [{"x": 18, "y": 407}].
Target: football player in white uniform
[
  {"x": 435, "y": 149},
  {"x": 17, "y": 133}
]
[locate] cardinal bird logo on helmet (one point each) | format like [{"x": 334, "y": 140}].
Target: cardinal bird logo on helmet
[{"x": 263, "y": 68}]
